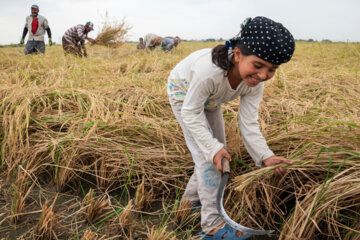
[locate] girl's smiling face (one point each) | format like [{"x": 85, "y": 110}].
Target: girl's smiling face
[{"x": 252, "y": 69}]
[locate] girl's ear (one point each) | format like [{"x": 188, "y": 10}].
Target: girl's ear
[{"x": 237, "y": 54}]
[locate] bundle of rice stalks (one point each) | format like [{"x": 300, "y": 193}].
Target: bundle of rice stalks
[
  {"x": 89, "y": 235},
  {"x": 143, "y": 197},
  {"x": 48, "y": 226},
  {"x": 94, "y": 208},
  {"x": 182, "y": 211},
  {"x": 160, "y": 234},
  {"x": 125, "y": 219},
  {"x": 113, "y": 34}
]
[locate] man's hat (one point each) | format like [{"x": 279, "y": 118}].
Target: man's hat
[
  {"x": 90, "y": 25},
  {"x": 35, "y": 6}
]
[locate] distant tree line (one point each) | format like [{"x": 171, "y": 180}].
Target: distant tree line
[
  {"x": 312, "y": 40},
  {"x": 298, "y": 40}
]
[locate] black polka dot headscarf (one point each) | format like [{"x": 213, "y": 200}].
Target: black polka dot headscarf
[{"x": 266, "y": 39}]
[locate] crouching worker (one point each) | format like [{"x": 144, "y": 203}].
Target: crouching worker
[
  {"x": 141, "y": 44},
  {"x": 197, "y": 87},
  {"x": 152, "y": 41},
  {"x": 168, "y": 43},
  {"x": 74, "y": 39}
]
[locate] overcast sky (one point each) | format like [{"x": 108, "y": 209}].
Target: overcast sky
[{"x": 336, "y": 20}]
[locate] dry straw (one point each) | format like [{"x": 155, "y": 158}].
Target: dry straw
[
  {"x": 159, "y": 234},
  {"x": 94, "y": 207},
  {"x": 89, "y": 235},
  {"x": 113, "y": 33},
  {"x": 143, "y": 196},
  {"x": 48, "y": 226},
  {"x": 106, "y": 122}
]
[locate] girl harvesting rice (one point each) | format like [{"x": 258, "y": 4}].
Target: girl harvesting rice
[{"x": 197, "y": 87}]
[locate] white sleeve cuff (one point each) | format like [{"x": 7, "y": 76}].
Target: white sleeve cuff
[
  {"x": 266, "y": 155},
  {"x": 215, "y": 150}
]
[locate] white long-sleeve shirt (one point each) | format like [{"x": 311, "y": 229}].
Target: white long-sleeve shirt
[{"x": 199, "y": 84}]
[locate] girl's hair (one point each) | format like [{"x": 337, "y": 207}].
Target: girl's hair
[{"x": 220, "y": 55}]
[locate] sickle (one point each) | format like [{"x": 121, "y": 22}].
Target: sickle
[
  {"x": 220, "y": 207},
  {"x": 17, "y": 47}
]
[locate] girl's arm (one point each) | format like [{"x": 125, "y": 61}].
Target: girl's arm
[{"x": 252, "y": 137}]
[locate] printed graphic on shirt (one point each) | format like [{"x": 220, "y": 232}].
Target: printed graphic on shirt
[
  {"x": 210, "y": 105},
  {"x": 178, "y": 89}
]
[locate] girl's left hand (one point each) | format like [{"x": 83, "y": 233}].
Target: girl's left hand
[{"x": 274, "y": 160}]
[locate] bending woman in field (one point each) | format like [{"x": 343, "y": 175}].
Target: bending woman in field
[{"x": 197, "y": 87}]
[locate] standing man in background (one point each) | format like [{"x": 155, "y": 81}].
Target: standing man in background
[
  {"x": 37, "y": 25},
  {"x": 74, "y": 39}
]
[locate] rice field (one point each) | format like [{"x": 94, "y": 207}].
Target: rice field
[{"x": 91, "y": 150}]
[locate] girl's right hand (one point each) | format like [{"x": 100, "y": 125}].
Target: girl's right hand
[
  {"x": 274, "y": 160},
  {"x": 219, "y": 157}
]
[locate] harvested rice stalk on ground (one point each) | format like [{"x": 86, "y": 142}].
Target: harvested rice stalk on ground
[
  {"x": 94, "y": 207},
  {"x": 159, "y": 234},
  {"x": 48, "y": 226}
]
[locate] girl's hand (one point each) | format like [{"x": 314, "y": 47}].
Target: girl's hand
[
  {"x": 274, "y": 160},
  {"x": 219, "y": 156}
]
